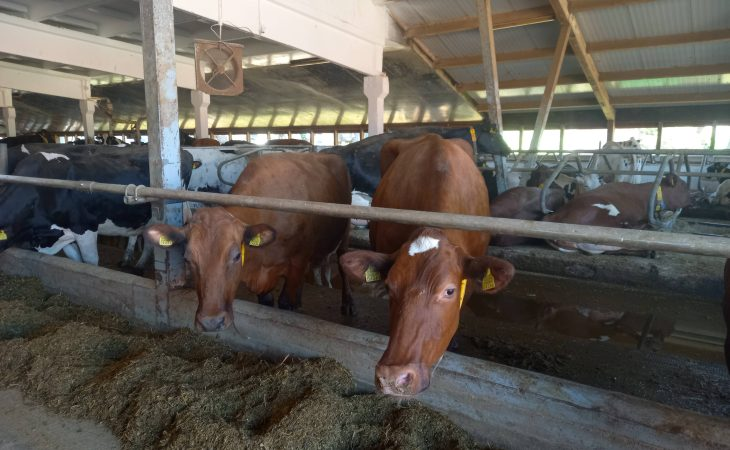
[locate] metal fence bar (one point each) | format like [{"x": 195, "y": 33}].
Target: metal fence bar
[
  {"x": 643, "y": 172},
  {"x": 697, "y": 152},
  {"x": 625, "y": 238}
]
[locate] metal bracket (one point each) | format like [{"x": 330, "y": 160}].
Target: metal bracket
[{"x": 134, "y": 199}]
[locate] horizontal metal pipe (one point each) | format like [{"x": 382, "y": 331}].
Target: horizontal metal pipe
[
  {"x": 641, "y": 172},
  {"x": 621, "y": 237},
  {"x": 698, "y": 152}
]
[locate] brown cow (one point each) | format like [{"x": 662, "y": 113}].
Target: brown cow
[
  {"x": 523, "y": 202},
  {"x": 287, "y": 142},
  {"x": 222, "y": 249},
  {"x": 726, "y": 313},
  {"x": 425, "y": 269},
  {"x": 617, "y": 205}
]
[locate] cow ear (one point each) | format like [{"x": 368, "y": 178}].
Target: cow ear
[
  {"x": 365, "y": 266},
  {"x": 670, "y": 180},
  {"x": 259, "y": 235},
  {"x": 491, "y": 274},
  {"x": 163, "y": 235}
]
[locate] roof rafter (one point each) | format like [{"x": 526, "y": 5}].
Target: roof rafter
[
  {"x": 655, "y": 41},
  {"x": 589, "y": 5},
  {"x": 663, "y": 72},
  {"x": 626, "y": 100},
  {"x": 578, "y": 44},
  {"x": 500, "y": 21}
]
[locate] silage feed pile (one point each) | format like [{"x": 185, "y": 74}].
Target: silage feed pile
[{"x": 185, "y": 390}]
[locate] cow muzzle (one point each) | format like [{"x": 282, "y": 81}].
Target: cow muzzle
[
  {"x": 404, "y": 380},
  {"x": 218, "y": 322}
]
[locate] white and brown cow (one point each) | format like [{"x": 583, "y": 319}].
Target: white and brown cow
[
  {"x": 225, "y": 246},
  {"x": 428, "y": 272},
  {"x": 617, "y": 205}
]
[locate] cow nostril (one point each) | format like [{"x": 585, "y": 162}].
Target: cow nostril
[{"x": 404, "y": 380}]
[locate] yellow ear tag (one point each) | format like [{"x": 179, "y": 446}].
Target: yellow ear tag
[
  {"x": 3, "y": 236},
  {"x": 462, "y": 292},
  {"x": 371, "y": 274},
  {"x": 165, "y": 241},
  {"x": 243, "y": 253},
  {"x": 488, "y": 281},
  {"x": 255, "y": 241},
  {"x": 473, "y": 134}
]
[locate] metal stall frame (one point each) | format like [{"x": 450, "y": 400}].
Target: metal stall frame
[{"x": 625, "y": 238}]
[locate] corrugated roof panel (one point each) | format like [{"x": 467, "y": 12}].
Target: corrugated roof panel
[
  {"x": 454, "y": 44},
  {"x": 618, "y": 61},
  {"x": 653, "y": 19},
  {"x": 524, "y": 38},
  {"x": 419, "y": 12},
  {"x": 703, "y": 53},
  {"x": 468, "y": 74},
  {"x": 606, "y": 24}
]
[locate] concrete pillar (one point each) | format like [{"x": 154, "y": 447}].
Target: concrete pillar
[
  {"x": 87, "y": 118},
  {"x": 6, "y": 104},
  {"x": 376, "y": 88},
  {"x": 200, "y": 101},
  {"x": 160, "y": 85}
]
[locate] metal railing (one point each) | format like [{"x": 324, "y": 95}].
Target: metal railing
[{"x": 625, "y": 238}]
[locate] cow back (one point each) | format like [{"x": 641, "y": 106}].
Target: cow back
[
  {"x": 429, "y": 173},
  {"x": 294, "y": 176}
]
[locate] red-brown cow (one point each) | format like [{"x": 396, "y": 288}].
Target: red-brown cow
[
  {"x": 222, "y": 249},
  {"x": 726, "y": 313},
  {"x": 523, "y": 202},
  {"x": 617, "y": 205},
  {"x": 425, "y": 269}
]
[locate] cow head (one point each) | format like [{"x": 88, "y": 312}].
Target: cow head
[
  {"x": 427, "y": 280},
  {"x": 675, "y": 192},
  {"x": 215, "y": 252}
]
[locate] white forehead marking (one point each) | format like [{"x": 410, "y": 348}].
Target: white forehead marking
[
  {"x": 423, "y": 244},
  {"x": 52, "y": 156},
  {"x": 612, "y": 210},
  {"x": 24, "y": 150}
]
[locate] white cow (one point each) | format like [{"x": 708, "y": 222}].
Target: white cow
[{"x": 620, "y": 162}]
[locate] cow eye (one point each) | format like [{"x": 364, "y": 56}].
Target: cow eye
[
  {"x": 450, "y": 292},
  {"x": 237, "y": 256}
]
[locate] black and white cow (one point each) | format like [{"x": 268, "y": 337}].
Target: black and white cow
[{"x": 51, "y": 220}]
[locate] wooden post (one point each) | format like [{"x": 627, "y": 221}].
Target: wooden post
[
  {"x": 158, "y": 44},
  {"x": 491, "y": 82},
  {"x": 547, "y": 96},
  {"x": 610, "y": 128}
]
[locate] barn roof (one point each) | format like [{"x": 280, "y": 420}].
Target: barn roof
[{"x": 652, "y": 56}]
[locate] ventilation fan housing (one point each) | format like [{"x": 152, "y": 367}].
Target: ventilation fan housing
[{"x": 218, "y": 68}]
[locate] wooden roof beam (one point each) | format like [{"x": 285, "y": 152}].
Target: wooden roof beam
[
  {"x": 656, "y": 41},
  {"x": 590, "y": 5},
  {"x": 500, "y": 21},
  {"x": 626, "y": 100},
  {"x": 578, "y": 44},
  {"x": 666, "y": 72},
  {"x": 474, "y": 60}
]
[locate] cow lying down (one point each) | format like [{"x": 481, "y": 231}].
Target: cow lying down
[
  {"x": 617, "y": 205},
  {"x": 523, "y": 202}
]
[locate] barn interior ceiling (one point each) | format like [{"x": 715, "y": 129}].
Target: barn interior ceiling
[{"x": 650, "y": 58}]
